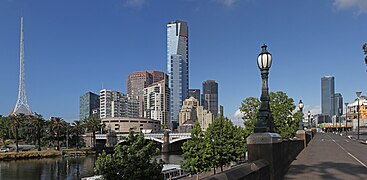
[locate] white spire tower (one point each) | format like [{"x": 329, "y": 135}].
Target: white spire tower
[{"x": 21, "y": 107}]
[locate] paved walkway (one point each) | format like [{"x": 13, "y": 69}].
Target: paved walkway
[{"x": 330, "y": 156}]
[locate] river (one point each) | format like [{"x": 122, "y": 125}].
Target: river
[{"x": 58, "y": 168}]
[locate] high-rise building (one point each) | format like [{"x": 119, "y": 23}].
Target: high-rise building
[
  {"x": 195, "y": 93},
  {"x": 137, "y": 81},
  {"x": 88, "y": 103},
  {"x": 209, "y": 97},
  {"x": 338, "y": 104},
  {"x": 221, "y": 110},
  {"x": 156, "y": 102},
  {"x": 327, "y": 95},
  {"x": 112, "y": 104},
  {"x": 21, "y": 106},
  {"x": 177, "y": 65},
  {"x": 190, "y": 112}
]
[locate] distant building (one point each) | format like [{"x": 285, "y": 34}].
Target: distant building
[
  {"x": 191, "y": 112},
  {"x": 122, "y": 125},
  {"x": 177, "y": 65},
  {"x": 156, "y": 103},
  {"x": 112, "y": 104},
  {"x": 221, "y": 110},
  {"x": 195, "y": 93},
  {"x": 88, "y": 103},
  {"x": 137, "y": 81},
  {"x": 209, "y": 97},
  {"x": 327, "y": 95},
  {"x": 132, "y": 106},
  {"x": 338, "y": 104}
]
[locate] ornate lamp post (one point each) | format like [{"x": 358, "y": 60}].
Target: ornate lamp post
[
  {"x": 264, "y": 121},
  {"x": 346, "y": 118},
  {"x": 309, "y": 120},
  {"x": 358, "y": 95},
  {"x": 300, "y": 105}
]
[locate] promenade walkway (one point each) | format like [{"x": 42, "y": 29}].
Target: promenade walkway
[{"x": 330, "y": 156}]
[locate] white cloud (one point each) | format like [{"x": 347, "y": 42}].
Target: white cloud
[
  {"x": 359, "y": 5},
  {"x": 238, "y": 114},
  {"x": 134, "y": 3},
  {"x": 227, "y": 2}
]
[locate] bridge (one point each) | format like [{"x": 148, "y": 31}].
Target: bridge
[{"x": 169, "y": 141}]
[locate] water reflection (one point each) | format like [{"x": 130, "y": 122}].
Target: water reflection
[{"x": 50, "y": 168}]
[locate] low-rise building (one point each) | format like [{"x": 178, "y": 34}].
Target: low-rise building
[{"x": 122, "y": 125}]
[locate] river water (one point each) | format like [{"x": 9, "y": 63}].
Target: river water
[{"x": 58, "y": 168}]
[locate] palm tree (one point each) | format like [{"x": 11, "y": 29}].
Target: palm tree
[
  {"x": 56, "y": 124},
  {"x": 77, "y": 129},
  {"x": 92, "y": 124},
  {"x": 15, "y": 120},
  {"x": 38, "y": 123}
]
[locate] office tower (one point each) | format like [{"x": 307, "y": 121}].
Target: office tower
[
  {"x": 327, "y": 95},
  {"x": 209, "y": 97},
  {"x": 132, "y": 107},
  {"x": 177, "y": 65},
  {"x": 221, "y": 110},
  {"x": 137, "y": 81},
  {"x": 112, "y": 104},
  {"x": 338, "y": 104},
  {"x": 156, "y": 103},
  {"x": 88, "y": 103},
  {"x": 21, "y": 106},
  {"x": 195, "y": 93},
  {"x": 191, "y": 111}
]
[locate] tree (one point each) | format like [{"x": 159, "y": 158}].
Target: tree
[
  {"x": 130, "y": 161},
  {"x": 77, "y": 130},
  {"x": 56, "y": 124},
  {"x": 282, "y": 108},
  {"x": 228, "y": 142},
  {"x": 92, "y": 124},
  {"x": 4, "y": 130},
  {"x": 197, "y": 152},
  {"x": 38, "y": 124},
  {"x": 15, "y": 120}
]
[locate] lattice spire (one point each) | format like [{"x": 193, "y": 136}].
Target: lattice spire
[{"x": 21, "y": 107}]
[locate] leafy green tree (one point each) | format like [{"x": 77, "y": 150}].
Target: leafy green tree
[
  {"x": 38, "y": 123},
  {"x": 15, "y": 121},
  {"x": 228, "y": 141},
  {"x": 282, "y": 108},
  {"x": 5, "y": 130},
  {"x": 92, "y": 124},
  {"x": 77, "y": 130},
  {"x": 130, "y": 161},
  {"x": 57, "y": 123},
  {"x": 197, "y": 152}
]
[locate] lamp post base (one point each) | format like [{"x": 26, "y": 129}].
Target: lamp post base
[{"x": 301, "y": 134}]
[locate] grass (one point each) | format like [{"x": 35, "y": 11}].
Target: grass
[{"x": 29, "y": 154}]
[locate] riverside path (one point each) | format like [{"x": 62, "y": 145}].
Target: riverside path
[{"x": 330, "y": 156}]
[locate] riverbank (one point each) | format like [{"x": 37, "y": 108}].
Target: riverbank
[{"x": 44, "y": 154}]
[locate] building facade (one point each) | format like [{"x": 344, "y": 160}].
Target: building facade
[
  {"x": 88, "y": 105},
  {"x": 338, "y": 104},
  {"x": 137, "y": 81},
  {"x": 112, "y": 104},
  {"x": 122, "y": 125},
  {"x": 191, "y": 111},
  {"x": 195, "y": 93},
  {"x": 177, "y": 65},
  {"x": 209, "y": 97},
  {"x": 156, "y": 103},
  {"x": 327, "y": 95}
]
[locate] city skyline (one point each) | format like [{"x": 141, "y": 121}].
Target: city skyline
[{"x": 120, "y": 38}]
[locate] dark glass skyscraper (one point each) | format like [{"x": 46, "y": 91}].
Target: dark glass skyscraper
[
  {"x": 195, "y": 93},
  {"x": 177, "y": 65},
  {"x": 327, "y": 95},
  {"x": 338, "y": 104},
  {"x": 87, "y": 103},
  {"x": 209, "y": 97}
]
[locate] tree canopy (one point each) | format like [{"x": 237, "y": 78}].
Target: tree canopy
[{"x": 283, "y": 111}]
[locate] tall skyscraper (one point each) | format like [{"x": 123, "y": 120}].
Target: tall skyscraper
[
  {"x": 177, "y": 65},
  {"x": 156, "y": 103},
  {"x": 137, "y": 81},
  {"x": 195, "y": 93},
  {"x": 327, "y": 95},
  {"x": 88, "y": 103},
  {"x": 21, "y": 106},
  {"x": 338, "y": 104},
  {"x": 209, "y": 97},
  {"x": 112, "y": 104}
]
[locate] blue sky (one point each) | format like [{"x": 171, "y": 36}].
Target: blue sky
[{"x": 75, "y": 46}]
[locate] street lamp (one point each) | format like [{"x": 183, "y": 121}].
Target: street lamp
[
  {"x": 309, "y": 120},
  {"x": 264, "y": 121},
  {"x": 358, "y": 95},
  {"x": 346, "y": 118},
  {"x": 300, "y": 105}
]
